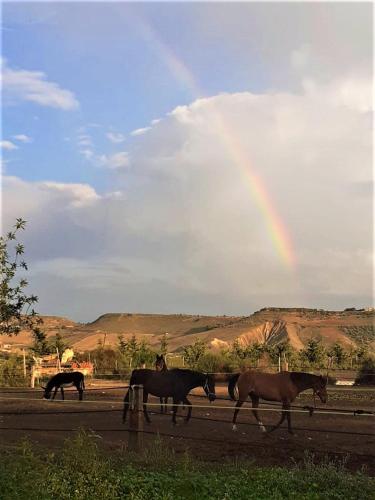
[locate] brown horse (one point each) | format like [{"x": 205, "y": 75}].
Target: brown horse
[{"x": 283, "y": 387}]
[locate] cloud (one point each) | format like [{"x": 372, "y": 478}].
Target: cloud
[
  {"x": 184, "y": 230},
  {"x": 116, "y": 161},
  {"x": 115, "y": 137},
  {"x": 26, "y": 85},
  {"x": 140, "y": 131},
  {"x": 84, "y": 140},
  {"x": 8, "y": 145},
  {"x": 22, "y": 138}
]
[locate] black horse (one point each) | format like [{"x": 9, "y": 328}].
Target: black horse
[
  {"x": 161, "y": 366},
  {"x": 175, "y": 383},
  {"x": 64, "y": 379}
]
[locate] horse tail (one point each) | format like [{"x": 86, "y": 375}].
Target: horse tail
[{"x": 231, "y": 386}]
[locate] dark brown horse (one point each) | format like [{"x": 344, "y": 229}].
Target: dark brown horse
[
  {"x": 176, "y": 383},
  {"x": 64, "y": 379},
  {"x": 161, "y": 366},
  {"x": 283, "y": 387}
]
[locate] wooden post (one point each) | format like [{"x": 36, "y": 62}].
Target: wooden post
[
  {"x": 33, "y": 377},
  {"x": 24, "y": 363},
  {"x": 135, "y": 440}
]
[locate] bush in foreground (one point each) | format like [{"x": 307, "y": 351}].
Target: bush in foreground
[{"x": 80, "y": 471}]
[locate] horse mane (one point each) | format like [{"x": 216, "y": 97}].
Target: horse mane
[{"x": 301, "y": 377}]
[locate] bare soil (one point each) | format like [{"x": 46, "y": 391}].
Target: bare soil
[{"x": 344, "y": 437}]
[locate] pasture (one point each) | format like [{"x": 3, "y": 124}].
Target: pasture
[{"x": 208, "y": 436}]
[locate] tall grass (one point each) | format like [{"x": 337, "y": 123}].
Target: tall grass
[{"x": 80, "y": 471}]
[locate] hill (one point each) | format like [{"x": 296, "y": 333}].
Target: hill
[{"x": 269, "y": 325}]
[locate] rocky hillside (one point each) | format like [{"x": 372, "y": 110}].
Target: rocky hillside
[{"x": 269, "y": 325}]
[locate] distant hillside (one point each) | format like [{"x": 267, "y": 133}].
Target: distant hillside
[{"x": 269, "y": 325}]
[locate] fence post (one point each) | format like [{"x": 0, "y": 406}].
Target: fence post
[
  {"x": 135, "y": 441},
  {"x": 32, "y": 377}
]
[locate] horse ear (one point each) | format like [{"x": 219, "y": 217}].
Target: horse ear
[{"x": 43, "y": 387}]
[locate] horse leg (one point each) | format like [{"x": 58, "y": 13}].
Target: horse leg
[
  {"x": 161, "y": 405},
  {"x": 286, "y": 406},
  {"x": 288, "y": 417},
  {"x": 175, "y": 406},
  {"x": 126, "y": 407},
  {"x": 165, "y": 405},
  {"x": 255, "y": 404},
  {"x": 188, "y": 404},
  {"x": 80, "y": 390},
  {"x": 238, "y": 406},
  {"x": 145, "y": 413},
  {"x": 54, "y": 394},
  {"x": 62, "y": 393}
]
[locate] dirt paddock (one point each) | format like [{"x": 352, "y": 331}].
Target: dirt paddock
[{"x": 348, "y": 437}]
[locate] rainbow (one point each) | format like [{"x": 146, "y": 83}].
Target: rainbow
[{"x": 276, "y": 228}]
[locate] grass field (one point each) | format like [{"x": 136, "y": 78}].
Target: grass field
[{"x": 79, "y": 471}]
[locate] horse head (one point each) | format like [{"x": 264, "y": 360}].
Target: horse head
[
  {"x": 47, "y": 393},
  {"x": 320, "y": 388},
  {"x": 160, "y": 363},
  {"x": 209, "y": 387}
]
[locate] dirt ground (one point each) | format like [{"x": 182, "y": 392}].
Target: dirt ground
[{"x": 345, "y": 436}]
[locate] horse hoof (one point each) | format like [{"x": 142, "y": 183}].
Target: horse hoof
[{"x": 234, "y": 427}]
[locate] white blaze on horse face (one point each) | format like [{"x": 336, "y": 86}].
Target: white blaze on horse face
[{"x": 234, "y": 427}]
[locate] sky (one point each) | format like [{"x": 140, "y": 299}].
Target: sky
[{"x": 191, "y": 158}]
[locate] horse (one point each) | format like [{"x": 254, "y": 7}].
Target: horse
[
  {"x": 175, "y": 383},
  {"x": 64, "y": 379},
  {"x": 283, "y": 387},
  {"x": 161, "y": 366}
]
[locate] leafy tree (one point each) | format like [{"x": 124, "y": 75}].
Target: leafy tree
[
  {"x": 254, "y": 351},
  {"x": 314, "y": 352},
  {"x": 144, "y": 355},
  {"x": 40, "y": 346},
  {"x": 237, "y": 350},
  {"x": 164, "y": 345},
  {"x": 58, "y": 344},
  {"x": 361, "y": 353},
  {"x": 282, "y": 350},
  {"x": 194, "y": 352},
  {"x": 122, "y": 345},
  {"x": 132, "y": 350},
  {"x": 16, "y": 307},
  {"x": 337, "y": 354}
]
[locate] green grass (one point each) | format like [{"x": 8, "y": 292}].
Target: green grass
[{"x": 81, "y": 471}]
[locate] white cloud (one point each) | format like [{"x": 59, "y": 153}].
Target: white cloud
[
  {"x": 22, "y": 138},
  {"x": 186, "y": 230},
  {"x": 88, "y": 154},
  {"x": 140, "y": 131},
  {"x": 115, "y": 137},
  {"x": 8, "y": 145},
  {"x": 79, "y": 195},
  {"x": 353, "y": 92},
  {"x": 26, "y": 85},
  {"x": 84, "y": 140},
  {"x": 116, "y": 161}
]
